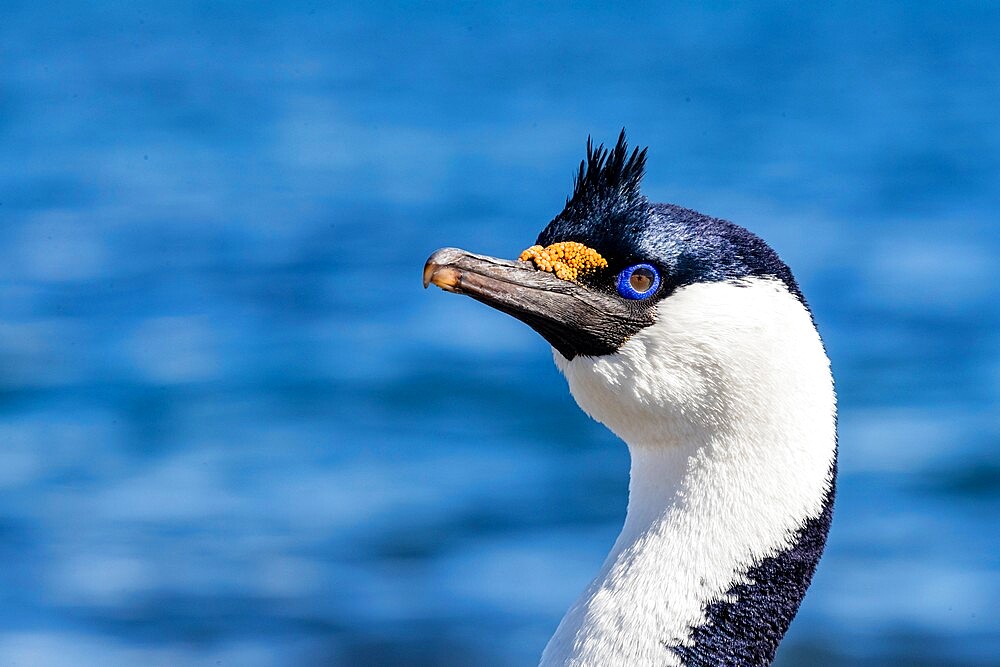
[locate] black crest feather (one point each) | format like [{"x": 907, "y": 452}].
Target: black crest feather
[
  {"x": 606, "y": 210},
  {"x": 608, "y": 176}
]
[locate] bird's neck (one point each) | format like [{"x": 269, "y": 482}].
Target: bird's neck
[
  {"x": 728, "y": 408},
  {"x": 715, "y": 555}
]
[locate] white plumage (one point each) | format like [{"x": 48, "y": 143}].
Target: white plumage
[{"x": 728, "y": 408}]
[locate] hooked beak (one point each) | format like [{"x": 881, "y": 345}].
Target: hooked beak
[{"x": 573, "y": 318}]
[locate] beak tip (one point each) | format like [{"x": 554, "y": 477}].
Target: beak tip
[
  {"x": 439, "y": 270},
  {"x": 428, "y": 272}
]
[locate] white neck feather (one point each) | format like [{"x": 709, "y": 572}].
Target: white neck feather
[{"x": 727, "y": 406}]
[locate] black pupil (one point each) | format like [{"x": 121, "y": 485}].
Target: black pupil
[{"x": 641, "y": 280}]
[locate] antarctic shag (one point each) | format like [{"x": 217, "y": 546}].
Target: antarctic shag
[{"x": 689, "y": 338}]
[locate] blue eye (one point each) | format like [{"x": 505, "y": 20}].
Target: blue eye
[{"x": 638, "y": 281}]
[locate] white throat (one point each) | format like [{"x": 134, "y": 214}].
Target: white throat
[{"x": 727, "y": 406}]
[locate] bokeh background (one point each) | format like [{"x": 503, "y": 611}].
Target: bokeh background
[{"x": 233, "y": 428}]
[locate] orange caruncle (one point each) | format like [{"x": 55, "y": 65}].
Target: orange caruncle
[{"x": 568, "y": 260}]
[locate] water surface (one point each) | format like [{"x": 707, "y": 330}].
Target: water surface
[{"x": 234, "y": 430}]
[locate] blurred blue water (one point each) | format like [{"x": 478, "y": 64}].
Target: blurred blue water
[{"x": 234, "y": 430}]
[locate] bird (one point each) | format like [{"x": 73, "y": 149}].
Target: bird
[{"x": 690, "y": 339}]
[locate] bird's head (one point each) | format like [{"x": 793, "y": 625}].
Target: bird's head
[{"x": 659, "y": 316}]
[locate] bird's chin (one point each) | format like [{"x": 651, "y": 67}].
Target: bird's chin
[{"x": 576, "y": 320}]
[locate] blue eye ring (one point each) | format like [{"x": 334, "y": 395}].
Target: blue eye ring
[{"x": 624, "y": 283}]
